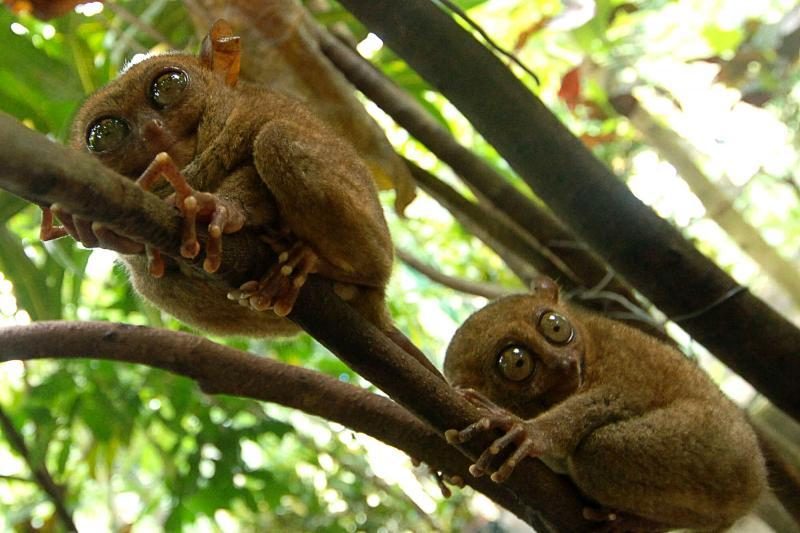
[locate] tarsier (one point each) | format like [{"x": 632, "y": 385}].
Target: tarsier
[
  {"x": 234, "y": 155},
  {"x": 638, "y": 427}
]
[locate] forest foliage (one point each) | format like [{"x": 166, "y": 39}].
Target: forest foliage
[{"x": 140, "y": 448}]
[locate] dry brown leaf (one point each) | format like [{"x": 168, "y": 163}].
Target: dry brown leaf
[{"x": 280, "y": 50}]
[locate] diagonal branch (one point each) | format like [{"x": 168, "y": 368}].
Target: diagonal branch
[
  {"x": 222, "y": 370},
  {"x": 44, "y": 172},
  {"x": 574, "y": 266},
  {"x": 487, "y": 290}
]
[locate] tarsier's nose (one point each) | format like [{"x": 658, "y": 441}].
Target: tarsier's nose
[{"x": 154, "y": 134}]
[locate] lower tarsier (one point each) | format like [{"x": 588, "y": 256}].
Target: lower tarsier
[{"x": 638, "y": 428}]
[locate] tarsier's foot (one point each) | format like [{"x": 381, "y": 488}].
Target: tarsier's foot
[
  {"x": 222, "y": 216},
  {"x": 279, "y": 288},
  {"x": 47, "y": 231},
  {"x": 516, "y": 432}
]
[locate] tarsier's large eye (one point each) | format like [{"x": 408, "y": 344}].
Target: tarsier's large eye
[
  {"x": 516, "y": 363},
  {"x": 107, "y": 133},
  {"x": 167, "y": 88},
  {"x": 556, "y": 328}
]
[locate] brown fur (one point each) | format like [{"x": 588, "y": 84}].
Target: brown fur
[
  {"x": 636, "y": 425},
  {"x": 264, "y": 152}
]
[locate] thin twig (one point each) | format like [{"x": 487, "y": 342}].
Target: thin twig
[
  {"x": 40, "y": 473},
  {"x": 486, "y": 37},
  {"x": 575, "y": 267},
  {"x": 487, "y": 290}
]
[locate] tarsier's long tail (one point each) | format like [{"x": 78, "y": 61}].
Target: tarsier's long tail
[{"x": 407, "y": 346}]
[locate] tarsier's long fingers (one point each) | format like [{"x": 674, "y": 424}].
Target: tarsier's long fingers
[
  {"x": 155, "y": 263},
  {"x": 111, "y": 240},
  {"x": 190, "y": 246},
  {"x": 47, "y": 231},
  {"x": 225, "y": 217},
  {"x": 455, "y": 436},
  {"x": 279, "y": 288},
  {"x": 516, "y": 433},
  {"x": 94, "y": 234},
  {"x": 524, "y": 449},
  {"x": 163, "y": 166},
  {"x": 480, "y": 401}
]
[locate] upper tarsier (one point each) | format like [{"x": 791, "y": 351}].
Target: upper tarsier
[
  {"x": 233, "y": 155},
  {"x": 637, "y": 426}
]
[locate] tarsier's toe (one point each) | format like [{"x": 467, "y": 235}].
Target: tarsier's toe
[
  {"x": 48, "y": 231},
  {"x": 111, "y": 240},
  {"x": 279, "y": 288},
  {"x": 155, "y": 263}
]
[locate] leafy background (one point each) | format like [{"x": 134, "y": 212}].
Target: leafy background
[{"x": 140, "y": 449}]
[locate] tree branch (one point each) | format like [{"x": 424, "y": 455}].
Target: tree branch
[
  {"x": 518, "y": 250},
  {"x": 487, "y": 290},
  {"x": 222, "y": 370},
  {"x": 41, "y": 474},
  {"x": 574, "y": 266},
  {"x": 753, "y": 339},
  {"x": 44, "y": 172}
]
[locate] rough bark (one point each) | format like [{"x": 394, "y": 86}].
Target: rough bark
[{"x": 222, "y": 370}]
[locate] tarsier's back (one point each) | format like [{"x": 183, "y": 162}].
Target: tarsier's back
[
  {"x": 638, "y": 427},
  {"x": 235, "y": 156}
]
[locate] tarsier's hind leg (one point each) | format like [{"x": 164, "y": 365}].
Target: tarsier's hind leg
[
  {"x": 326, "y": 197},
  {"x": 329, "y": 218},
  {"x": 629, "y": 473}
]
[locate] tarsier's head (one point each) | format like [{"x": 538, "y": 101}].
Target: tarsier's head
[
  {"x": 156, "y": 106},
  {"x": 523, "y": 352}
]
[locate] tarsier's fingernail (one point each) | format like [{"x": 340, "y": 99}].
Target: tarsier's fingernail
[
  {"x": 249, "y": 286},
  {"x": 286, "y": 270},
  {"x": 299, "y": 281},
  {"x": 497, "y": 477},
  {"x": 283, "y": 257},
  {"x": 494, "y": 450},
  {"x": 476, "y": 471},
  {"x": 214, "y": 231},
  {"x": 451, "y": 436},
  {"x": 210, "y": 265},
  {"x": 259, "y": 303},
  {"x": 190, "y": 203},
  {"x": 234, "y": 294}
]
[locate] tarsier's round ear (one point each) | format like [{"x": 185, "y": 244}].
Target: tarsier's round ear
[
  {"x": 546, "y": 288},
  {"x": 221, "y": 52}
]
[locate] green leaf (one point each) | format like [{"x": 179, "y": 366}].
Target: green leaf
[
  {"x": 30, "y": 284},
  {"x": 722, "y": 40}
]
